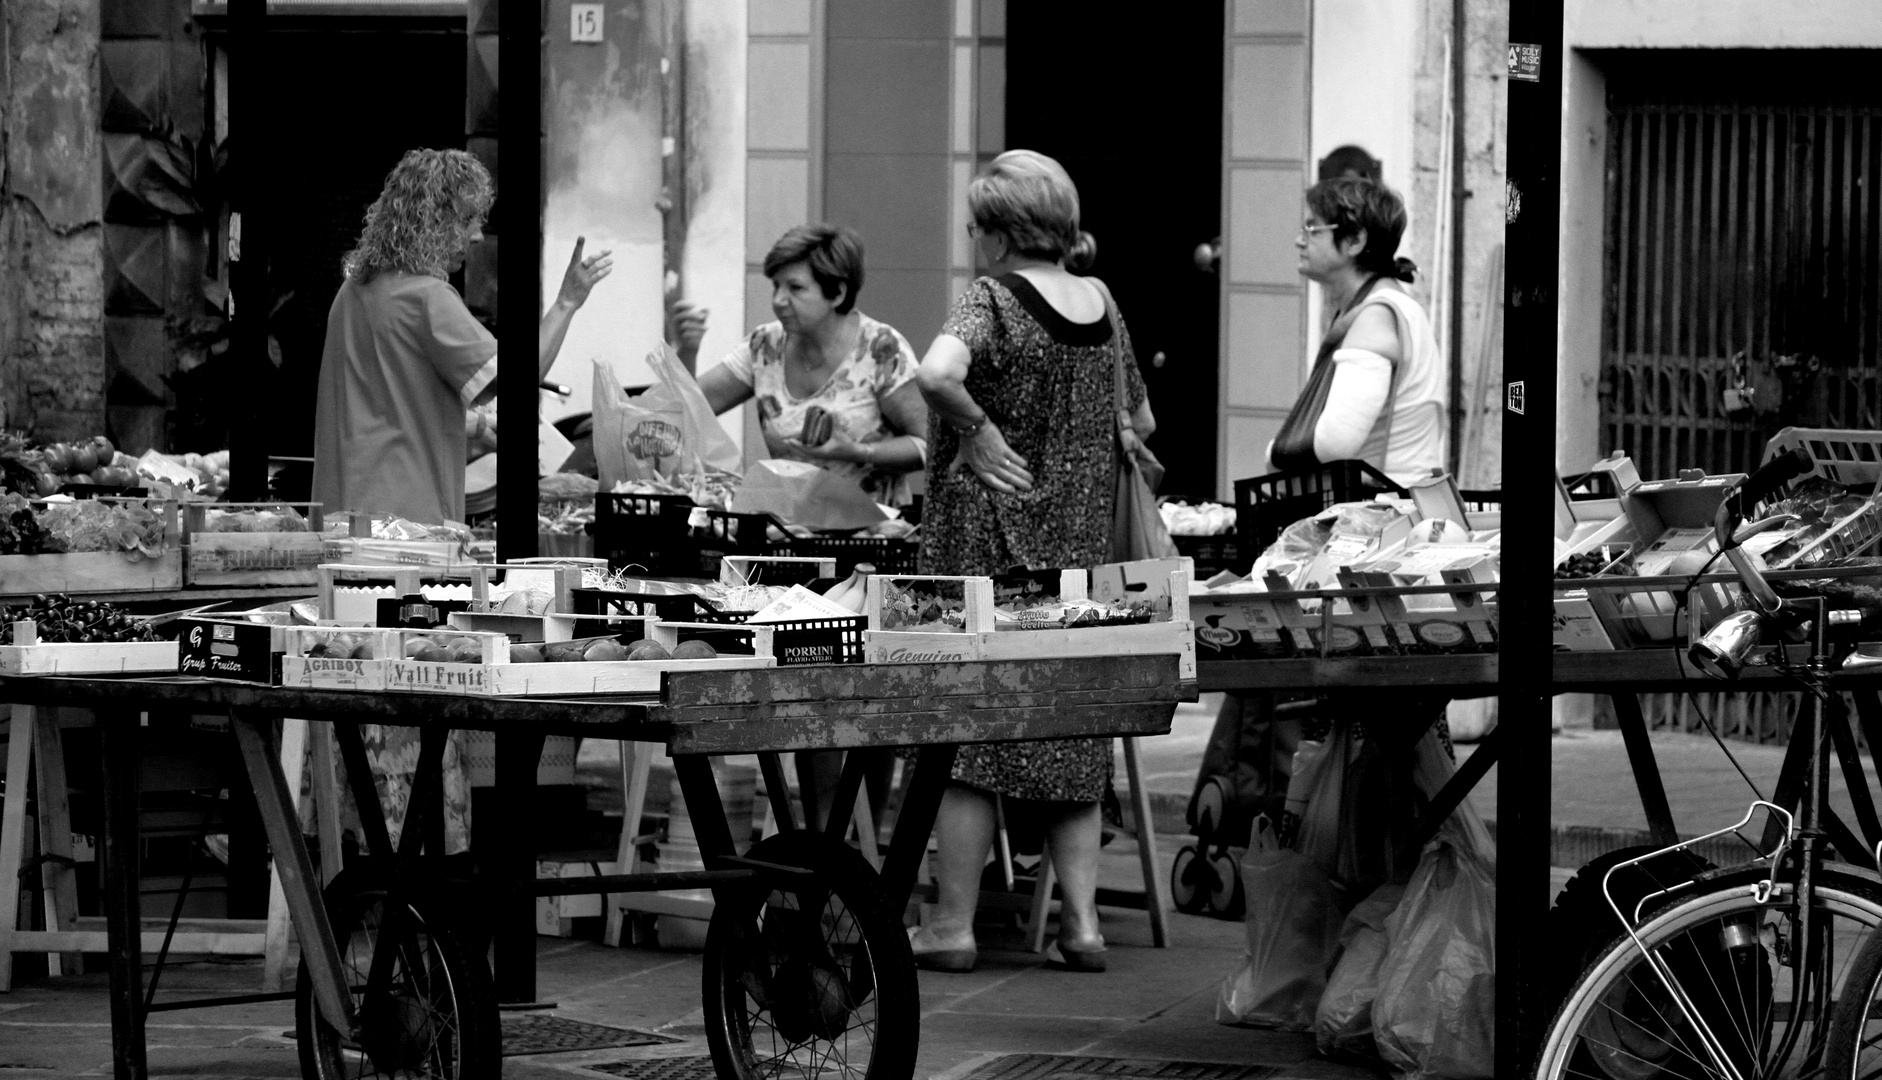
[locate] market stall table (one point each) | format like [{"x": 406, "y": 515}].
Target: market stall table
[
  {"x": 1619, "y": 674},
  {"x": 698, "y": 714}
]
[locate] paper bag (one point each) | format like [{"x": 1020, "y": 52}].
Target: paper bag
[
  {"x": 666, "y": 431},
  {"x": 802, "y": 493}
]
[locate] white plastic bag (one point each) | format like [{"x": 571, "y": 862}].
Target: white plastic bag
[
  {"x": 1435, "y": 1013},
  {"x": 1318, "y": 795},
  {"x": 1343, "y": 1023},
  {"x": 1293, "y": 921},
  {"x": 666, "y": 431}
]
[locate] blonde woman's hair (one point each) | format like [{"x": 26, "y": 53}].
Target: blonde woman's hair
[
  {"x": 433, "y": 201},
  {"x": 1031, "y": 200}
]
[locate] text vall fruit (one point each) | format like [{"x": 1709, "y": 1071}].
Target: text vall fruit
[
  {"x": 649, "y": 650},
  {"x": 606, "y": 649},
  {"x": 694, "y": 650}
]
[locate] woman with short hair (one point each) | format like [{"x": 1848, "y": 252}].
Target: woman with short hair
[
  {"x": 1391, "y": 388},
  {"x": 1023, "y": 385},
  {"x": 823, "y": 357}
]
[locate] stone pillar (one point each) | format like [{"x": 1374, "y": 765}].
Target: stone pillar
[{"x": 52, "y": 354}]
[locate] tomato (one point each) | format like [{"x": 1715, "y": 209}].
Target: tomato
[
  {"x": 84, "y": 459},
  {"x": 47, "y": 483}
]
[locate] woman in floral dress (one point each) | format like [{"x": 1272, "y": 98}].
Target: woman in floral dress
[
  {"x": 823, "y": 355},
  {"x": 1022, "y": 382}
]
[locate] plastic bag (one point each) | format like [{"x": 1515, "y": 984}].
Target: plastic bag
[
  {"x": 668, "y": 429},
  {"x": 1435, "y": 1013},
  {"x": 1317, "y": 793},
  {"x": 1343, "y": 1023},
  {"x": 1293, "y": 921}
]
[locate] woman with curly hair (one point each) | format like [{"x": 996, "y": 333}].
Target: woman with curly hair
[{"x": 404, "y": 357}]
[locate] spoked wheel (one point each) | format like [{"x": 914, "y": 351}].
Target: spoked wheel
[
  {"x": 430, "y": 1013},
  {"x": 1734, "y": 989},
  {"x": 810, "y": 979},
  {"x": 1189, "y": 881},
  {"x": 1856, "y": 1029}
]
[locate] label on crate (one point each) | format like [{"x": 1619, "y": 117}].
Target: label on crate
[
  {"x": 226, "y": 650},
  {"x": 927, "y": 652},
  {"x": 824, "y": 652},
  {"x": 213, "y": 559},
  {"x": 1246, "y": 630},
  {"x": 444, "y": 678}
]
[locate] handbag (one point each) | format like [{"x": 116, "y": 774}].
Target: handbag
[
  {"x": 1137, "y": 529},
  {"x": 1293, "y": 446}
]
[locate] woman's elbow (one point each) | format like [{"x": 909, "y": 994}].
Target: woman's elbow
[{"x": 932, "y": 379}]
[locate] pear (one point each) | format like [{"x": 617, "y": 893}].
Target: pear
[
  {"x": 694, "y": 650},
  {"x": 414, "y": 645},
  {"x": 648, "y": 650},
  {"x": 526, "y": 654}
]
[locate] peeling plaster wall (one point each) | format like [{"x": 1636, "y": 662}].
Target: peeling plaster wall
[{"x": 52, "y": 362}]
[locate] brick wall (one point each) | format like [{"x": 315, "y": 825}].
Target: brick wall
[{"x": 52, "y": 357}]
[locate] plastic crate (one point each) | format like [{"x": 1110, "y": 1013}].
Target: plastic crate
[
  {"x": 1850, "y": 458},
  {"x": 889, "y": 555},
  {"x": 1264, "y": 505},
  {"x": 795, "y": 643},
  {"x": 668, "y": 607},
  {"x": 1213, "y": 554},
  {"x": 671, "y": 535}
]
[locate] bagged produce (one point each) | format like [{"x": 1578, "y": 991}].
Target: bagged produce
[
  {"x": 1293, "y": 921},
  {"x": 1435, "y": 1013},
  {"x": 668, "y": 429},
  {"x": 1343, "y": 1023}
]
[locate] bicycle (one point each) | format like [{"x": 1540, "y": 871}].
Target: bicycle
[{"x": 1734, "y": 972}]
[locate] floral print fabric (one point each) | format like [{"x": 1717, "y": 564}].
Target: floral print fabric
[
  {"x": 882, "y": 363},
  {"x": 1049, "y": 384}
]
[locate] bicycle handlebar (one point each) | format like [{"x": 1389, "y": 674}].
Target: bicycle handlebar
[{"x": 1757, "y": 487}]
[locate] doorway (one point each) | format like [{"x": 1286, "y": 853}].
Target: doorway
[
  {"x": 1744, "y": 223},
  {"x": 1132, "y": 107}
]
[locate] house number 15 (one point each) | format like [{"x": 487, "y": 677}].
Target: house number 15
[{"x": 585, "y": 22}]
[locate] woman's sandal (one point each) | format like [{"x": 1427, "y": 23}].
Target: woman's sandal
[
  {"x": 955, "y": 961},
  {"x": 1060, "y": 955}
]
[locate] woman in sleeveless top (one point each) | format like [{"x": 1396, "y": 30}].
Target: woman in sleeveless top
[
  {"x": 1391, "y": 388},
  {"x": 1021, "y": 385}
]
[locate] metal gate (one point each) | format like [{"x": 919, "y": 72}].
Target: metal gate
[{"x": 1742, "y": 273}]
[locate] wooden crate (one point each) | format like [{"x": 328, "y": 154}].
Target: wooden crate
[
  {"x": 250, "y": 558},
  {"x": 1165, "y": 582},
  {"x": 497, "y": 675},
  {"x": 88, "y": 658},
  {"x": 336, "y": 672},
  {"x": 90, "y": 572}
]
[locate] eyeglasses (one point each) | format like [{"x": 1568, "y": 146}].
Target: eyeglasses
[{"x": 1308, "y": 229}]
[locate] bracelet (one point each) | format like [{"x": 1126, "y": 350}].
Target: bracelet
[
  {"x": 973, "y": 429},
  {"x": 869, "y": 454}
]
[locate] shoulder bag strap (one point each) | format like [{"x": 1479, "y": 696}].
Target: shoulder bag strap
[{"x": 1120, "y": 397}]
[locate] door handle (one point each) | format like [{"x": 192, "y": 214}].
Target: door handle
[{"x": 1208, "y": 256}]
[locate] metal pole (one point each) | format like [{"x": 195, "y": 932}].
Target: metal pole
[
  {"x": 1460, "y": 204},
  {"x": 248, "y": 276},
  {"x": 519, "y": 275},
  {"x": 1532, "y": 240}
]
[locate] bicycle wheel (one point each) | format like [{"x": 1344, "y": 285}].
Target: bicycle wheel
[
  {"x": 1855, "y": 1048},
  {"x": 814, "y": 980},
  {"x": 434, "y": 1017},
  {"x": 1757, "y": 1000}
]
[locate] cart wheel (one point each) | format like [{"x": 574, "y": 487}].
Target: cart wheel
[
  {"x": 1225, "y": 900},
  {"x": 810, "y": 977},
  {"x": 1188, "y": 883},
  {"x": 435, "y": 1015}
]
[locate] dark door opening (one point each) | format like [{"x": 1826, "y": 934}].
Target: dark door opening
[
  {"x": 1132, "y": 107},
  {"x": 347, "y": 98}
]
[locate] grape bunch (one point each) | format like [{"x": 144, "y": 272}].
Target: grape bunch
[
  {"x": 1590, "y": 564},
  {"x": 63, "y": 619}
]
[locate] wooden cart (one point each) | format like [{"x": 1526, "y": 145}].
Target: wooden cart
[{"x": 779, "y": 985}]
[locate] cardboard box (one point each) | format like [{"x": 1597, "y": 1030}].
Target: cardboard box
[
  {"x": 1237, "y": 626},
  {"x": 234, "y": 650},
  {"x": 497, "y": 674},
  {"x": 555, "y": 914},
  {"x": 1578, "y": 627},
  {"x": 1457, "y": 622}
]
